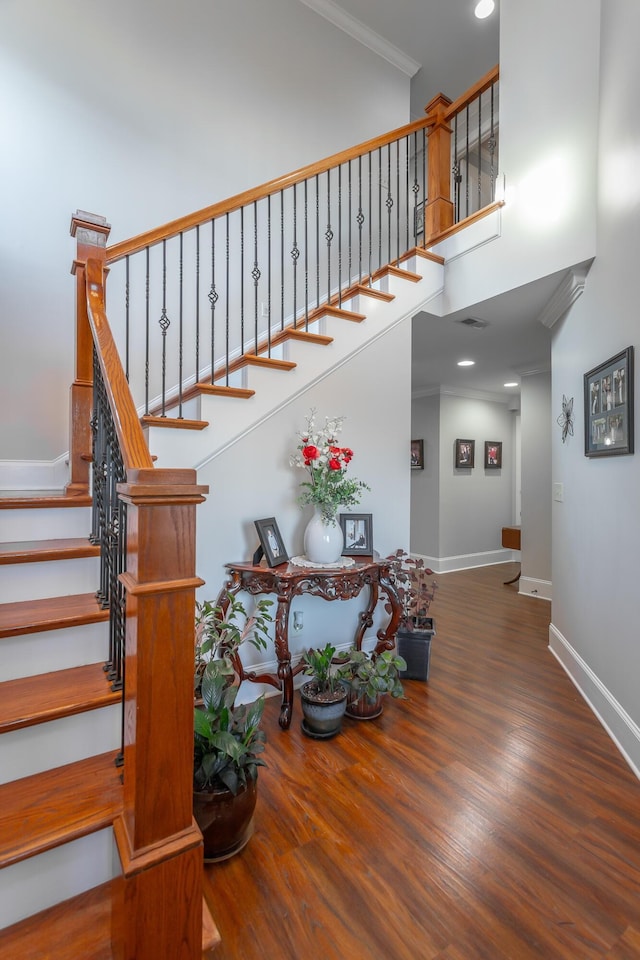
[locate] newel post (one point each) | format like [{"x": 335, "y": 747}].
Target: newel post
[
  {"x": 158, "y": 909},
  {"x": 91, "y": 232},
  {"x": 439, "y": 209}
]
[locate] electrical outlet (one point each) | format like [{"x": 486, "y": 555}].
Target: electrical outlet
[
  {"x": 298, "y": 621},
  {"x": 558, "y": 492}
]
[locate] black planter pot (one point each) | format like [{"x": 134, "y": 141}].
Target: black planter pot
[
  {"x": 226, "y": 822},
  {"x": 415, "y": 647}
]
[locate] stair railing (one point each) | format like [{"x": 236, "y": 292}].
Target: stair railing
[
  {"x": 189, "y": 299},
  {"x": 145, "y": 523}
]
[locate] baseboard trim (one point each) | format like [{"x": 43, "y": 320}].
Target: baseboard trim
[
  {"x": 34, "y": 474},
  {"x": 540, "y": 589},
  {"x": 466, "y": 561},
  {"x": 622, "y": 729}
]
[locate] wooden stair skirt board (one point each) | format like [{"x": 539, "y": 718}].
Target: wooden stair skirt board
[{"x": 80, "y": 929}]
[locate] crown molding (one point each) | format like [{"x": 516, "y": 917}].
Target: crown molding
[
  {"x": 369, "y": 38},
  {"x": 565, "y": 295},
  {"x": 465, "y": 393}
]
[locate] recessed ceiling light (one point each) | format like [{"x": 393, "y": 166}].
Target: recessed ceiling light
[
  {"x": 484, "y": 9},
  {"x": 514, "y": 384},
  {"x": 466, "y": 363}
]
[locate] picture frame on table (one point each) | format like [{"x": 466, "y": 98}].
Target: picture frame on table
[
  {"x": 417, "y": 454},
  {"x": 358, "y": 534},
  {"x": 271, "y": 543},
  {"x": 608, "y": 407},
  {"x": 465, "y": 453},
  {"x": 418, "y": 220},
  {"x": 493, "y": 454}
]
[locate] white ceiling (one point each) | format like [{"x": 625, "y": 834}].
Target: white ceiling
[{"x": 445, "y": 48}]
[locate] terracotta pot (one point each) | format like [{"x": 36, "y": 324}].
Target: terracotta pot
[
  {"x": 226, "y": 821},
  {"x": 323, "y": 713},
  {"x": 364, "y": 708}
]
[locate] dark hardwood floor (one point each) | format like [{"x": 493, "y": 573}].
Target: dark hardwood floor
[{"x": 487, "y": 816}]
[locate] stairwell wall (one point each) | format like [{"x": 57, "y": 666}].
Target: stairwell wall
[{"x": 143, "y": 114}]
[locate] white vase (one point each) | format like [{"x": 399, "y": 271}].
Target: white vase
[{"x": 323, "y": 542}]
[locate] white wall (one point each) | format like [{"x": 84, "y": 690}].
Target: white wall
[
  {"x": 425, "y": 484},
  {"x": 548, "y": 136},
  {"x": 596, "y": 529},
  {"x": 143, "y": 112},
  {"x": 253, "y": 478},
  {"x": 535, "y": 402}
]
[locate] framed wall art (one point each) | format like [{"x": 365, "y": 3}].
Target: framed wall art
[
  {"x": 271, "y": 544},
  {"x": 493, "y": 454},
  {"x": 608, "y": 407},
  {"x": 465, "y": 453},
  {"x": 417, "y": 454},
  {"x": 358, "y": 534}
]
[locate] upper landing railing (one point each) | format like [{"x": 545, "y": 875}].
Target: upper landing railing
[{"x": 189, "y": 299}]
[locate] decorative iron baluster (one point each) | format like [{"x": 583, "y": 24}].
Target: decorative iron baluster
[
  {"x": 328, "y": 236},
  {"x": 227, "y": 298},
  {"x": 480, "y": 152},
  {"x": 295, "y": 253},
  {"x": 466, "y": 164},
  {"x": 146, "y": 335},
  {"x": 241, "y": 280},
  {"x": 269, "y": 262},
  {"x": 492, "y": 148},
  {"x": 306, "y": 254},
  {"x": 455, "y": 170},
  {"x": 389, "y": 204},
  {"x": 416, "y": 187},
  {"x": 379, "y": 191},
  {"x": 164, "y": 323},
  {"x": 180, "y": 322},
  {"x": 340, "y": 236},
  {"x": 282, "y": 259},
  {"x": 360, "y": 220},
  {"x": 213, "y": 297},
  {"x": 350, "y": 226},
  {"x": 126, "y": 312},
  {"x": 317, "y": 240},
  {"x": 370, "y": 231},
  {"x": 407, "y": 186},
  {"x": 197, "y": 303},
  {"x": 255, "y": 274}
]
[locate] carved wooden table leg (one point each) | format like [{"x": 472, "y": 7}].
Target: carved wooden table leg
[
  {"x": 387, "y": 637},
  {"x": 283, "y": 655},
  {"x": 366, "y": 617}
]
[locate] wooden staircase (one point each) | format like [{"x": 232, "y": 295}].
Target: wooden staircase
[{"x": 44, "y": 812}]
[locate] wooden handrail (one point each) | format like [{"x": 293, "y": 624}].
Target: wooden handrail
[
  {"x": 127, "y": 247},
  {"x": 133, "y": 447},
  {"x": 473, "y": 92}
]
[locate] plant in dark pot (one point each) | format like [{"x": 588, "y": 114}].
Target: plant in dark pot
[
  {"x": 324, "y": 697},
  {"x": 368, "y": 677},
  {"x": 227, "y": 741},
  {"x": 416, "y": 590}
]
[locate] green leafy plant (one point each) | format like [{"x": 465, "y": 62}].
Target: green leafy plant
[
  {"x": 415, "y": 587},
  {"x": 370, "y": 674},
  {"x": 222, "y": 627},
  {"x": 228, "y": 740},
  {"x": 319, "y": 666}
]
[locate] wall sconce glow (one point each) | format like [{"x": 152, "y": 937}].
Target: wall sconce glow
[
  {"x": 545, "y": 192},
  {"x": 484, "y": 9},
  {"x": 514, "y": 384},
  {"x": 466, "y": 363}
]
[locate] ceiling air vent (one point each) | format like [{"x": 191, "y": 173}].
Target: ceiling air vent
[{"x": 474, "y": 322}]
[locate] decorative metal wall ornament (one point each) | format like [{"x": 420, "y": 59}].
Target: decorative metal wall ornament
[{"x": 565, "y": 420}]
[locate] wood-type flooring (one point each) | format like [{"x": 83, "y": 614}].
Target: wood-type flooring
[{"x": 486, "y": 816}]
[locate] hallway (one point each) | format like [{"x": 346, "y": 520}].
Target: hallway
[{"x": 487, "y": 816}]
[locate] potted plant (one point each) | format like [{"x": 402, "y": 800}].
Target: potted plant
[
  {"x": 416, "y": 590},
  {"x": 227, "y": 741},
  {"x": 368, "y": 677},
  {"x": 324, "y": 697}
]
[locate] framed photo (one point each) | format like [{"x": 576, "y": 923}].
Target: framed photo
[
  {"x": 417, "y": 454},
  {"x": 418, "y": 219},
  {"x": 465, "y": 453},
  {"x": 358, "y": 534},
  {"x": 493, "y": 454},
  {"x": 271, "y": 545},
  {"x": 608, "y": 407}
]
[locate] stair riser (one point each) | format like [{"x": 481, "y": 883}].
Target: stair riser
[
  {"x": 33, "y": 885},
  {"x": 59, "y": 578},
  {"x": 34, "y": 653},
  {"x": 44, "y": 524},
  {"x": 47, "y": 745}
]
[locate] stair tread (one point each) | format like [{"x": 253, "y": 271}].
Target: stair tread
[
  {"x": 78, "y": 927},
  {"x": 250, "y": 359},
  {"x": 52, "y": 613},
  {"x": 53, "y": 807},
  {"x": 31, "y": 700},
  {"x": 179, "y": 423},
  {"x": 20, "y": 499},
  {"x": 35, "y": 551}
]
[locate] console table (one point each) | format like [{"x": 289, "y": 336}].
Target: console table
[{"x": 287, "y": 581}]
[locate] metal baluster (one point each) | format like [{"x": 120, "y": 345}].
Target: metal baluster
[
  {"x": 480, "y": 152},
  {"x": 241, "y": 280},
  {"x": 492, "y": 147},
  {"x": 416, "y": 186},
  {"x": 329, "y": 236},
  {"x": 370, "y": 217},
  {"x": 407, "y": 188},
  {"x": 269, "y": 262},
  {"x": 164, "y": 323},
  {"x": 282, "y": 259},
  {"x": 340, "y": 236},
  {"x": 360, "y": 219},
  {"x": 228, "y": 299},
  {"x": 213, "y": 297},
  {"x": 197, "y": 303},
  {"x": 146, "y": 337},
  {"x": 180, "y": 324},
  {"x": 398, "y": 198},
  {"x": 466, "y": 161},
  {"x": 306, "y": 255},
  {"x": 389, "y": 204},
  {"x": 317, "y": 240},
  {"x": 295, "y": 253},
  {"x": 457, "y": 176},
  {"x": 256, "y": 274},
  {"x": 126, "y": 311},
  {"x": 350, "y": 225},
  {"x": 379, "y": 191}
]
